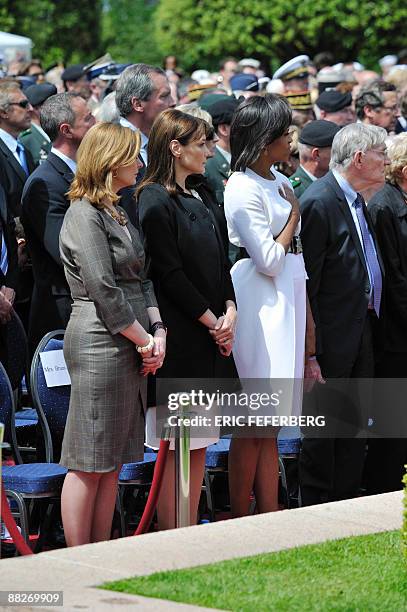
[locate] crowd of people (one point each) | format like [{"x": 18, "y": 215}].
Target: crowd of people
[{"x": 218, "y": 225}]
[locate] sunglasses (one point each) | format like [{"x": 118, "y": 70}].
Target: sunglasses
[{"x": 21, "y": 104}]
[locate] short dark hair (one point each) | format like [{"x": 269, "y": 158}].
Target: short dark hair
[
  {"x": 257, "y": 122},
  {"x": 371, "y": 94},
  {"x": 325, "y": 58}
]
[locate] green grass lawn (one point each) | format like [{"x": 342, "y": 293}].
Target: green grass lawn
[{"x": 363, "y": 574}]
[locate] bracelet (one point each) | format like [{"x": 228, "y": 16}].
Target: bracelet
[
  {"x": 147, "y": 347},
  {"x": 312, "y": 358},
  {"x": 157, "y": 325}
]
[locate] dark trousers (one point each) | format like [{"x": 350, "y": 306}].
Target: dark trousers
[
  {"x": 387, "y": 457},
  {"x": 331, "y": 469}
]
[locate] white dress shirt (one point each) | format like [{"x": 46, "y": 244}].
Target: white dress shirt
[
  {"x": 144, "y": 140},
  {"x": 350, "y": 196}
]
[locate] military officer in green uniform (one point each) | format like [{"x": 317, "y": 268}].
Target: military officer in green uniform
[
  {"x": 217, "y": 168},
  {"x": 35, "y": 139},
  {"x": 314, "y": 146}
]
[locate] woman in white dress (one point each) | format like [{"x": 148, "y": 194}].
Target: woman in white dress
[{"x": 270, "y": 284}]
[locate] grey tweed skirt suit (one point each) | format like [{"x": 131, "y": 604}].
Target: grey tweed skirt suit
[{"x": 105, "y": 272}]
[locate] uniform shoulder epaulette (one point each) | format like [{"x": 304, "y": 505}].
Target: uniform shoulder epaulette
[
  {"x": 295, "y": 181},
  {"x": 25, "y": 133}
]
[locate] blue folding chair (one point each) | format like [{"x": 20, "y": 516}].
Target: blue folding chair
[
  {"x": 25, "y": 481},
  {"x": 52, "y": 405},
  {"x": 16, "y": 366}
]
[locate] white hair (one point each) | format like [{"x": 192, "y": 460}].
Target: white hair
[
  {"x": 305, "y": 151},
  {"x": 353, "y": 138},
  {"x": 196, "y": 111},
  {"x": 107, "y": 110}
]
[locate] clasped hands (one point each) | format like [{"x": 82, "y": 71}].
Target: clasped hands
[
  {"x": 7, "y": 296},
  {"x": 153, "y": 360},
  {"x": 224, "y": 332}
]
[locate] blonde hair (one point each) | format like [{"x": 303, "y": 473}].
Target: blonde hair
[
  {"x": 397, "y": 153},
  {"x": 104, "y": 148}
]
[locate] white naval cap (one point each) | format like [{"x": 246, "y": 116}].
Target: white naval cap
[{"x": 296, "y": 67}]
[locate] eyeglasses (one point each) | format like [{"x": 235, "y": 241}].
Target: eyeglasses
[
  {"x": 382, "y": 152},
  {"x": 389, "y": 109},
  {"x": 21, "y": 104}
]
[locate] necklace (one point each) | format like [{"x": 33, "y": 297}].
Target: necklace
[{"x": 117, "y": 215}]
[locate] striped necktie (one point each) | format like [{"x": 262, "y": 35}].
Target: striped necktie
[
  {"x": 370, "y": 254},
  {"x": 3, "y": 254}
]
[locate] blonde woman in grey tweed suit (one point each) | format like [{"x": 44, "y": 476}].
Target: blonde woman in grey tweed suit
[{"x": 107, "y": 346}]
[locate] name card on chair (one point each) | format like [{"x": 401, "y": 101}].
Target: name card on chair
[{"x": 55, "y": 370}]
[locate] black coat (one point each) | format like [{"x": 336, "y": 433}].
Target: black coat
[
  {"x": 185, "y": 244},
  {"x": 388, "y": 210},
  {"x": 8, "y": 230},
  {"x": 10, "y": 279},
  {"x": 127, "y": 199},
  {"x": 338, "y": 285},
  {"x": 13, "y": 177},
  {"x": 44, "y": 205}
]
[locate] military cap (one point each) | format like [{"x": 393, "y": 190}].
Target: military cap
[
  {"x": 207, "y": 99},
  {"x": 295, "y": 68},
  {"x": 73, "y": 73},
  {"x": 319, "y": 133},
  {"x": 249, "y": 62},
  {"x": 37, "y": 94},
  {"x": 329, "y": 78},
  {"x": 196, "y": 90},
  {"x": 332, "y": 101},
  {"x": 244, "y": 82},
  {"x": 222, "y": 111}
]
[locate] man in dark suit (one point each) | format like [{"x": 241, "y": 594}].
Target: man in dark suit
[
  {"x": 142, "y": 93},
  {"x": 16, "y": 163},
  {"x": 8, "y": 270},
  {"x": 65, "y": 118},
  {"x": 345, "y": 291}
]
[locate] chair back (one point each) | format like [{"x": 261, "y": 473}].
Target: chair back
[
  {"x": 7, "y": 411},
  {"x": 15, "y": 347},
  {"x": 52, "y": 403}
]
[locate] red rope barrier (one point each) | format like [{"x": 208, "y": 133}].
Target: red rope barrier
[
  {"x": 145, "y": 521},
  {"x": 155, "y": 488},
  {"x": 10, "y": 523}
]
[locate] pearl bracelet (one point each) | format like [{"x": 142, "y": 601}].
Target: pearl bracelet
[{"x": 147, "y": 347}]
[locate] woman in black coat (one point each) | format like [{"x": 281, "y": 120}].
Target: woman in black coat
[
  {"x": 186, "y": 242},
  {"x": 388, "y": 209}
]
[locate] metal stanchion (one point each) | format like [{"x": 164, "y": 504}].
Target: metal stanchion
[{"x": 182, "y": 471}]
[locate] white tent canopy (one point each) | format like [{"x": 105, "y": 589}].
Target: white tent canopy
[{"x": 14, "y": 47}]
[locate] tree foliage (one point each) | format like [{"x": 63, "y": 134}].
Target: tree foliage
[
  {"x": 67, "y": 30},
  {"x": 128, "y": 31},
  {"x": 202, "y": 31}
]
